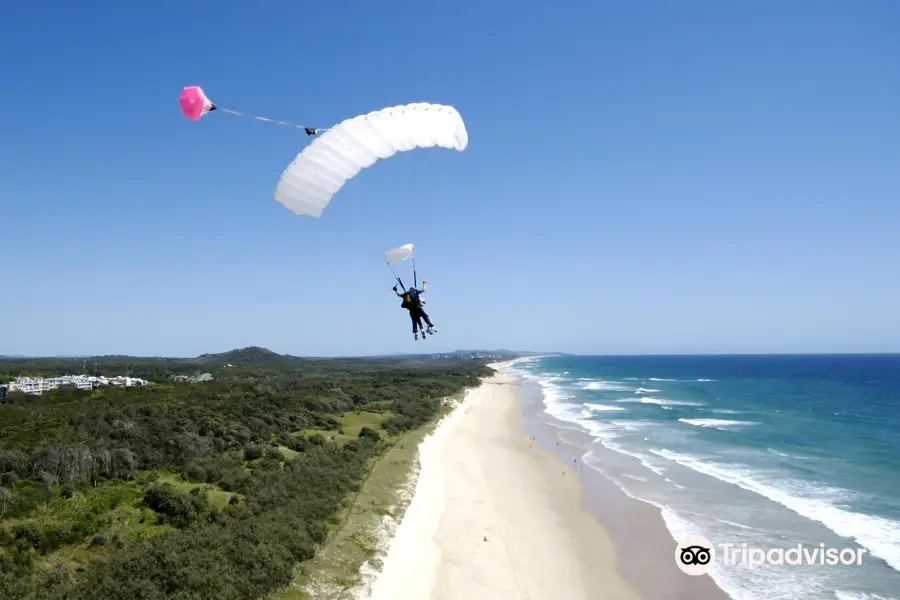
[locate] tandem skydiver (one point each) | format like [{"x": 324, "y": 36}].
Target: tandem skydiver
[{"x": 412, "y": 301}]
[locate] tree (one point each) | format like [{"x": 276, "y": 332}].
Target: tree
[
  {"x": 5, "y": 497},
  {"x": 366, "y": 432}
]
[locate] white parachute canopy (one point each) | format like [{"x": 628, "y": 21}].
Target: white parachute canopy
[
  {"x": 404, "y": 252},
  {"x": 308, "y": 184}
]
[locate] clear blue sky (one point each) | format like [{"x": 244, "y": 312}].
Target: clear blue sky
[{"x": 641, "y": 176}]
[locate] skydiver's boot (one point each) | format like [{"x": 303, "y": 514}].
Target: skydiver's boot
[
  {"x": 432, "y": 330},
  {"x": 416, "y": 335}
]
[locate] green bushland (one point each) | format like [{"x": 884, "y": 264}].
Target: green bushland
[
  {"x": 214, "y": 490},
  {"x": 334, "y": 573}
]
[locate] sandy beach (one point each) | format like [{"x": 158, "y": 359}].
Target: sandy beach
[{"x": 494, "y": 516}]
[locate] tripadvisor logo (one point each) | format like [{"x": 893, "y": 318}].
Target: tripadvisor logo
[{"x": 695, "y": 555}]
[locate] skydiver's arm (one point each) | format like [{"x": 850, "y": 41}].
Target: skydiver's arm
[
  {"x": 399, "y": 295},
  {"x": 424, "y": 286}
]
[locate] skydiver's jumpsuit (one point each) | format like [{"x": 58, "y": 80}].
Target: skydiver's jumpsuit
[
  {"x": 416, "y": 321},
  {"x": 417, "y": 313}
]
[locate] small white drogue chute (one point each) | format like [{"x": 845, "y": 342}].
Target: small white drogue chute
[
  {"x": 399, "y": 254},
  {"x": 404, "y": 252}
]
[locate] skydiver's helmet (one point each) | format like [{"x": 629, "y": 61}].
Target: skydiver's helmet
[{"x": 412, "y": 290}]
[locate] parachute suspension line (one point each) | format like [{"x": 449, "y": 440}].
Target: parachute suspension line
[
  {"x": 308, "y": 130},
  {"x": 400, "y": 281},
  {"x": 401, "y": 253},
  {"x": 415, "y": 279}
]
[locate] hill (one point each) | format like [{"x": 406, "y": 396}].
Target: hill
[{"x": 252, "y": 355}]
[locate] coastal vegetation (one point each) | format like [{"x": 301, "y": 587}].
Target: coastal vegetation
[
  {"x": 366, "y": 524},
  {"x": 216, "y": 490}
]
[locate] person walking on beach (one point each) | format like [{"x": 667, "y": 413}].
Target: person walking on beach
[{"x": 413, "y": 302}]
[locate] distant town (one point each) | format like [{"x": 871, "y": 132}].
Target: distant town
[{"x": 39, "y": 385}]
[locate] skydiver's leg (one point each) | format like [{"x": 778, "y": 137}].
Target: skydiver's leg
[
  {"x": 421, "y": 327},
  {"x": 431, "y": 328},
  {"x": 417, "y": 321},
  {"x": 415, "y": 324}
]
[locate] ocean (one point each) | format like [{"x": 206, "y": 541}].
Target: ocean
[{"x": 770, "y": 451}]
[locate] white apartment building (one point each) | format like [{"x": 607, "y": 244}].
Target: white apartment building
[{"x": 39, "y": 385}]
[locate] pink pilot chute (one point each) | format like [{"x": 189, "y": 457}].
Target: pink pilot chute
[{"x": 194, "y": 103}]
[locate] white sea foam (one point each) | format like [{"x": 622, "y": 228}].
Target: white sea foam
[
  {"x": 879, "y": 535},
  {"x": 591, "y": 459},
  {"x": 842, "y": 595},
  {"x": 600, "y": 385},
  {"x": 734, "y": 524},
  {"x": 602, "y": 408},
  {"x": 722, "y": 424},
  {"x": 680, "y": 487},
  {"x": 659, "y": 401}
]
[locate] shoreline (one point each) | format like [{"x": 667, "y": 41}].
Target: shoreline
[
  {"x": 494, "y": 515},
  {"x": 638, "y": 528}
]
